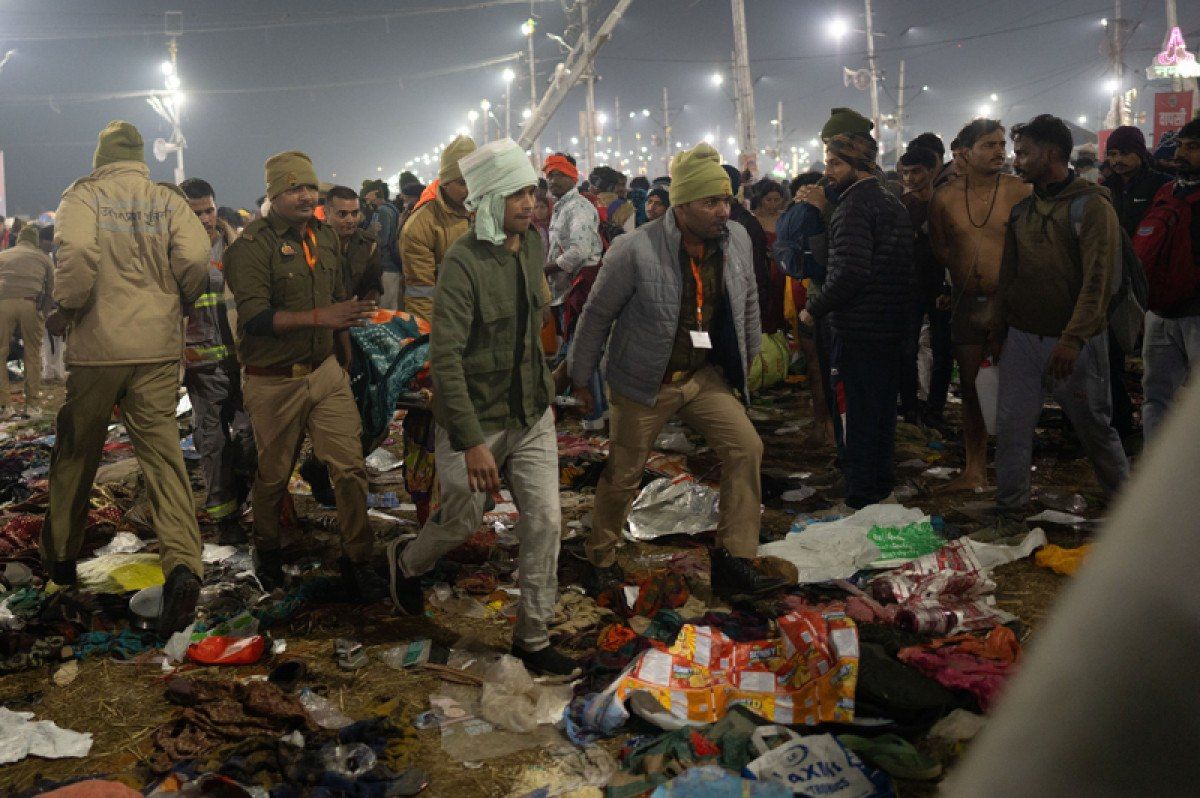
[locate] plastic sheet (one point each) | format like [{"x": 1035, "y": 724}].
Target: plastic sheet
[
  {"x": 22, "y": 736},
  {"x": 679, "y": 506},
  {"x": 513, "y": 702}
]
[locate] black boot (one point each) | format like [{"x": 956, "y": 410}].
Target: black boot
[
  {"x": 268, "y": 565},
  {"x": 600, "y": 580},
  {"x": 407, "y": 597},
  {"x": 179, "y": 596},
  {"x": 314, "y": 472},
  {"x": 736, "y": 577},
  {"x": 362, "y": 583}
]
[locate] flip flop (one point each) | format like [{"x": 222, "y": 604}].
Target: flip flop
[{"x": 893, "y": 754}]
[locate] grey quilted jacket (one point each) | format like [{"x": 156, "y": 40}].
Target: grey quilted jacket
[{"x": 634, "y": 309}]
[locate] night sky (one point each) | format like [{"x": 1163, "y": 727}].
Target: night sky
[{"x": 355, "y": 90}]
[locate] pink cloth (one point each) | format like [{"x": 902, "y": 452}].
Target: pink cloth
[{"x": 981, "y": 677}]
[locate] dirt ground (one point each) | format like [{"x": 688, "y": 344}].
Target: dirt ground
[{"x": 122, "y": 704}]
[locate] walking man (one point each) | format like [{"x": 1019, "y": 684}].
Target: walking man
[
  {"x": 221, "y": 426},
  {"x": 491, "y": 399},
  {"x": 967, "y": 220},
  {"x": 26, "y": 280},
  {"x": 677, "y": 306},
  {"x": 286, "y": 274},
  {"x": 1055, "y": 285},
  {"x": 130, "y": 253}
]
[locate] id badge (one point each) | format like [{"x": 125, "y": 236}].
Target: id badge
[{"x": 700, "y": 339}]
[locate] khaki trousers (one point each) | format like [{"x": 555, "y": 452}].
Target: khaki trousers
[
  {"x": 281, "y": 410},
  {"x": 147, "y": 396},
  {"x": 705, "y": 403},
  {"x": 22, "y": 313}
]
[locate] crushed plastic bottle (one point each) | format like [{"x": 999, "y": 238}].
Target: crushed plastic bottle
[
  {"x": 350, "y": 761},
  {"x": 322, "y": 712}
]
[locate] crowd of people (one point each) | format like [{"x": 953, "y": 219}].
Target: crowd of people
[{"x": 644, "y": 300}]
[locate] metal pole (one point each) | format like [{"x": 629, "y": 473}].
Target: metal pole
[
  {"x": 617, "y": 112},
  {"x": 508, "y": 108},
  {"x": 900, "y": 111},
  {"x": 590, "y": 100},
  {"x": 533, "y": 97},
  {"x": 878, "y": 129},
  {"x": 747, "y": 128},
  {"x": 666, "y": 133},
  {"x": 779, "y": 130}
]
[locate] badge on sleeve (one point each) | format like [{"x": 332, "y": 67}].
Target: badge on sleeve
[{"x": 287, "y": 250}]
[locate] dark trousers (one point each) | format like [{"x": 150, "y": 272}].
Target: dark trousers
[
  {"x": 1122, "y": 405},
  {"x": 823, "y": 337},
  {"x": 870, "y": 377},
  {"x": 943, "y": 362}
]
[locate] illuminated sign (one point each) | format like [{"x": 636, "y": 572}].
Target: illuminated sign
[{"x": 1174, "y": 61}]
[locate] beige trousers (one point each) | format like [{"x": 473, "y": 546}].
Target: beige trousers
[
  {"x": 705, "y": 403},
  {"x": 22, "y": 313},
  {"x": 147, "y": 396},
  {"x": 281, "y": 410}
]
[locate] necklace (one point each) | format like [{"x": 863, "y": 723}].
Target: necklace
[{"x": 967, "y": 199}]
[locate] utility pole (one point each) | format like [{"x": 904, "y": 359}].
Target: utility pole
[
  {"x": 779, "y": 130},
  {"x": 590, "y": 101},
  {"x": 871, "y": 65},
  {"x": 617, "y": 112},
  {"x": 1116, "y": 43},
  {"x": 568, "y": 74},
  {"x": 747, "y": 129},
  {"x": 529, "y": 27},
  {"x": 900, "y": 111},
  {"x": 666, "y": 133}
]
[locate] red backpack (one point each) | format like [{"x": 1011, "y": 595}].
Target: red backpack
[{"x": 1163, "y": 243}]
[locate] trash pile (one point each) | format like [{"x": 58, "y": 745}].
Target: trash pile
[{"x": 867, "y": 674}]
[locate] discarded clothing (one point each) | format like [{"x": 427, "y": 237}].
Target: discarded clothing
[{"x": 979, "y": 667}]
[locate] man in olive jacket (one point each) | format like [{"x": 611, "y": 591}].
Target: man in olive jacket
[
  {"x": 492, "y": 392},
  {"x": 129, "y": 251}
]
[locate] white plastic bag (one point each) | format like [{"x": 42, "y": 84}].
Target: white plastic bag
[{"x": 814, "y": 765}]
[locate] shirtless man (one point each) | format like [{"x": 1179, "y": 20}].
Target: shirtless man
[{"x": 967, "y": 221}]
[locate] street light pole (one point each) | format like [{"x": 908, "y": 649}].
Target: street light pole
[
  {"x": 871, "y": 65},
  {"x": 747, "y": 127},
  {"x": 666, "y": 133},
  {"x": 508, "y": 76},
  {"x": 900, "y": 111},
  {"x": 590, "y": 97},
  {"x": 528, "y": 28}
]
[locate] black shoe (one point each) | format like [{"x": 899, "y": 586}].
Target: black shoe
[
  {"x": 736, "y": 577},
  {"x": 62, "y": 573},
  {"x": 547, "y": 662},
  {"x": 231, "y": 533},
  {"x": 602, "y": 579},
  {"x": 362, "y": 583},
  {"x": 179, "y": 596},
  {"x": 314, "y": 472},
  {"x": 268, "y": 565},
  {"x": 407, "y": 597}
]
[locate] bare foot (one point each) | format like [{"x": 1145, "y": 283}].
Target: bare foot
[{"x": 963, "y": 483}]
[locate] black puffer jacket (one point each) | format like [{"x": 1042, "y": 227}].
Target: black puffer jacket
[
  {"x": 869, "y": 284},
  {"x": 1132, "y": 197}
]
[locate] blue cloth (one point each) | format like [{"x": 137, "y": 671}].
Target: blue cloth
[
  {"x": 638, "y": 197},
  {"x": 792, "y": 250},
  {"x": 386, "y": 359}
]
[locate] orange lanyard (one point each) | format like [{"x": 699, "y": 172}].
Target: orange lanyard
[
  {"x": 699, "y": 294},
  {"x": 310, "y": 255}
]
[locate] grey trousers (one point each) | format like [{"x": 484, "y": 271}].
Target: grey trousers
[
  {"x": 528, "y": 463},
  {"x": 1084, "y": 397},
  {"x": 222, "y": 434},
  {"x": 1168, "y": 351}
]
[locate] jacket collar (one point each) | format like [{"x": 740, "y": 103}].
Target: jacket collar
[
  {"x": 122, "y": 167},
  {"x": 282, "y": 226}
]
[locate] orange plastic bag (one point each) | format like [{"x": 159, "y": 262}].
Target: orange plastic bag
[
  {"x": 1060, "y": 560},
  {"x": 217, "y": 650}
]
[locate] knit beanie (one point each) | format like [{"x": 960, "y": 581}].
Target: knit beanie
[
  {"x": 845, "y": 120},
  {"x": 119, "y": 141},
  {"x": 28, "y": 235},
  {"x": 1128, "y": 139},
  {"x": 288, "y": 170},
  {"x": 448, "y": 170},
  {"x": 696, "y": 174}
]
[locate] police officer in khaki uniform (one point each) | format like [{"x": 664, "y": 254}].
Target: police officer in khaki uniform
[
  {"x": 362, "y": 278},
  {"x": 286, "y": 274},
  {"x": 130, "y": 253}
]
